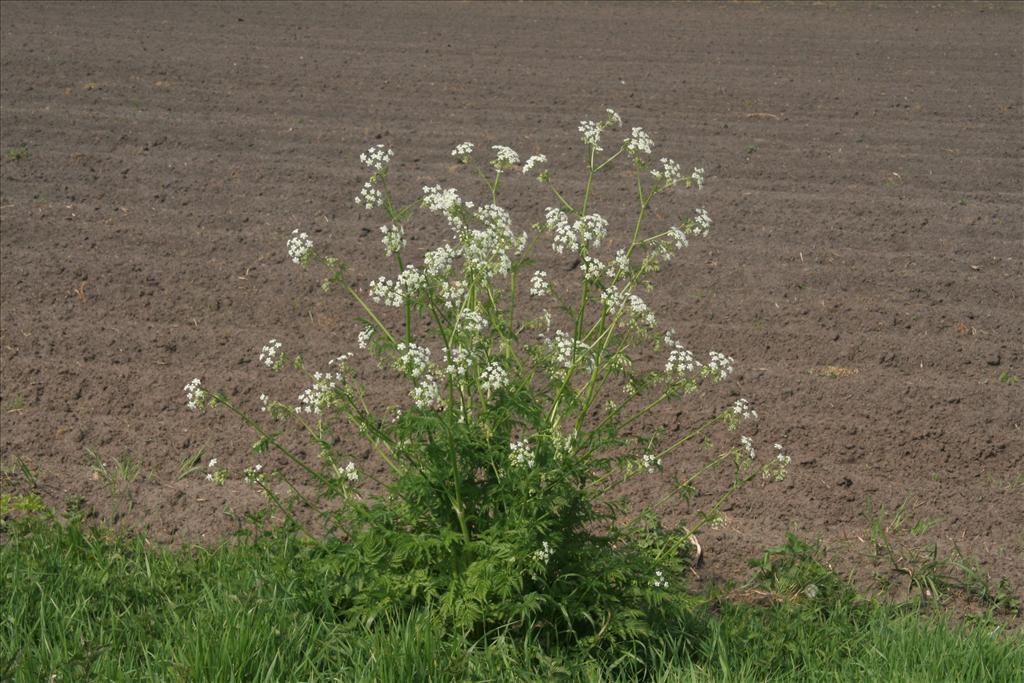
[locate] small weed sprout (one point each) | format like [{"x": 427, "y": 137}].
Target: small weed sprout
[{"x": 529, "y": 406}]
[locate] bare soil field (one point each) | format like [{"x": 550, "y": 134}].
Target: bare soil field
[{"x": 865, "y": 176}]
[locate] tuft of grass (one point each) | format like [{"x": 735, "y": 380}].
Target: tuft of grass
[
  {"x": 834, "y": 371},
  {"x": 17, "y": 153},
  {"x": 92, "y": 605}
]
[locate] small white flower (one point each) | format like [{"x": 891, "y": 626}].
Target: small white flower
[
  {"x": 539, "y": 286},
  {"x": 426, "y": 394},
  {"x": 641, "y": 312},
  {"x": 659, "y": 579},
  {"x": 743, "y": 410},
  {"x": 506, "y": 157},
  {"x": 613, "y": 120},
  {"x": 299, "y": 246},
  {"x": 521, "y": 455},
  {"x": 533, "y": 161},
  {"x": 698, "y": 177},
  {"x": 593, "y": 269},
  {"x": 651, "y": 463},
  {"x": 748, "y": 446},
  {"x": 472, "y": 322},
  {"x": 440, "y": 200},
  {"x": 254, "y": 474},
  {"x": 670, "y": 172},
  {"x": 387, "y": 292},
  {"x": 776, "y": 469},
  {"x": 269, "y": 353},
  {"x": 588, "y": 231},
  {"x": 394, "y": 238},
  {"x": 462, "y": 151},
  {"x": 718, "y": 367},
  {"x": 590, "y": 133},
  {"x": 413, "y": 360},
  {"x": 370, "y": 197},
  {"x": 680, "y": 361},
  {"x": 212, "y": 463},
  {"x": 377, "y": 157},
  {"x": 453, "y": 293},
  {"x": 195, "y": 394},
  {"x": 264, "y": 402},
  {"x": 458, "y": 362},
  {"x": 365, "y": 335},
  {"x": 639, "y": 142},
  {"x": 678, "y": 237},
  {"x": 545, "y": 552},
  {"x": 702, "y": 223},
  {"x": 317, "y": 397},
  {"x": 350, "y": 472},
  {"x": 493, "y": 378},
  {"x": 438, "y": 262}
]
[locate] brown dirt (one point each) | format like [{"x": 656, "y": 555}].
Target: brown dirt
[{"x": 865, "y": 177}]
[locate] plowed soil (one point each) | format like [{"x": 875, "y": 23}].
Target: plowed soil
[{"x": 865, "y": 269}]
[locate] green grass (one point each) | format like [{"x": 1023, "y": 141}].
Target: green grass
[{"x": 79, "y": 605}]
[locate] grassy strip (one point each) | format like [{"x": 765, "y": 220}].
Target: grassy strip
[{"x": 79, "y": 606}]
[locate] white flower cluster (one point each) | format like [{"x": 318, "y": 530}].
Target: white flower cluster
[
  {"x": 748, "y": 446},
  {"x": 365, "y": 335},
  {"x": 441, "y": 200},
  {"x": 677, "y": 236},
  {"x": 426, "y": 394},
  {"x": 545, "y": 552},
  {"x": 539, "y": 286},
  {"x": 195, "y": 394},
  {"x": 702, "y": 222},
  {"x": 670, "y": 173},
  {"x": 370, "y": 197},
  {"x": 641, "y": 312},
  {"x": 590, "y": 131},
  {"x": 472, "y": 322},
  {"x": 264, "y": 403},
  {"x": 489, "y": 251},
  {"x": 493, "y": 378},
  {"x": 743, "y": 410},
  {"x": 593, "y": 269},
  {"x": 776, "y": 469},
  {"x": 269, "y": 353},
  {"x": 698, "y": 177},
  {"x": 462, "y": 151},
  {"x": 718, "y": 367},
  {"x": 459, "y": 361},
  {"x": 315, "y": 398},
  {"x": 414, "y": 360},
  {"x": 506, "y": 157},
  {"x": 659, "y": 579},
  {"x": 639, "y": 142},
  {"x": 680, "y": 361},
  {"x": 533, "y": 161},
  {"x": 521, "y": 455},
  {"x": 438, "y": 262},
  {"x": 651, "y": 463},
  {"x": 377, "y": 157},
  {"x": 254, "y": 474},
  {"x": 394, "y": 293},
  {"x": 394, "y": 238},
  {"x": 453, "y": 293},
  {"x": 566, "y": 348},
  {"x": 585, "y": 232},
  {"x": 299, "y": 246},
  {"x": 350, "y": 472}
]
